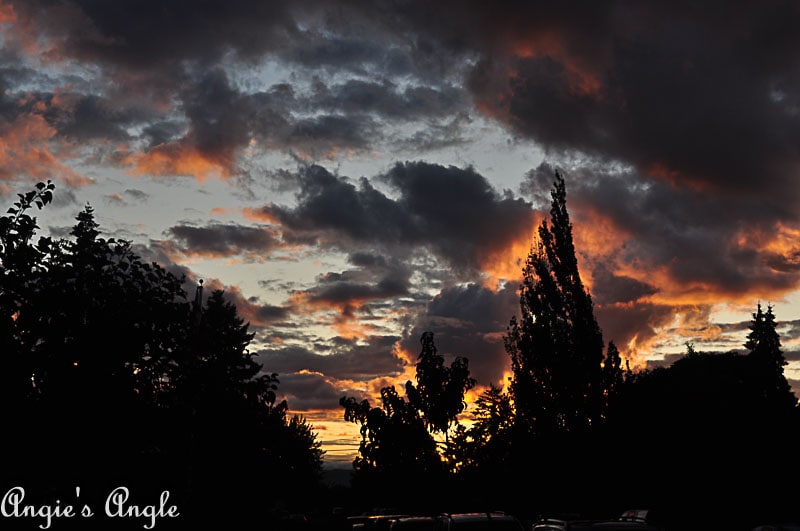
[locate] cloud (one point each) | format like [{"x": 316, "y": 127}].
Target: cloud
[
  {"x": 133, "y": 35},
  {"x": 676, "y": 128},
  {"x": 652, "y": 252},
  {"x": 469, "y": 321},
  {"x": 454, "y": 212},
  {"x": 258, "y": 315},
  {"x": 308, "y": 391},
  {"x": 346, "y": 362},
  {"x": 664, "y": 90},
  {"x": 389, "y": 101},
  {"x": 27, "y": 151},
  {"x": 138, "y": 196},
  {"x": 226, "y": 240}
]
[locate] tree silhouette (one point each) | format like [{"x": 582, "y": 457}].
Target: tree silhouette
[
  {"x": 104, "y": 354},
  {"x": 556, "y": 345},
  {"x": 397, "y": 447},
  {"x": 709, "y": 420},
  {"x": 768, "y": 361},
  {"x": 20, "y": 265},
  {"x": 485, "y": 445},
  {"x": 439, "y": 393}
]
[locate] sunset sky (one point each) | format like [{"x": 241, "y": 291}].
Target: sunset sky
[{"x": 356, "y": 173}]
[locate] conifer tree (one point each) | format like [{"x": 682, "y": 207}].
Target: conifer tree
[
  {"x": 486, "y": 443},
  {"x": 556, "y": 345},
  {"x": 764, "y": 346}
]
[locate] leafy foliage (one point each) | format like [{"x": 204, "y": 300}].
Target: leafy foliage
[
  {"x": 397, "y": 443},
  {"x": 439, "y": 393},
  {"x": 104, "y": 353}
]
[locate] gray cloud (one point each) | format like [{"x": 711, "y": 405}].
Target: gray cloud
[
  {"x": 225, "y": 240},
  {"x": 308, "y": 391},
  {"x": 470, "y": 322},
  {"x": 454, "y": 212},
  {"x": 346, "y": 361}
]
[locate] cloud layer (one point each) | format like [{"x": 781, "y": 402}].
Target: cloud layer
[{"x": 350, "y": 136}]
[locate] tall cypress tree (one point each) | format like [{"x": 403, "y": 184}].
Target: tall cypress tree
[{"x": 556, "y": 345}]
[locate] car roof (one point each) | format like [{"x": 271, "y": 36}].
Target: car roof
[
  {"x": 492, "y": 515},
  {"x": 489, "y": 521}
]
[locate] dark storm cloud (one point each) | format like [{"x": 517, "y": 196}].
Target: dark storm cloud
[
  {"x": 220, "y": 120},
  {"x": 679, "y": 91},
  {"x": 367, "y": 259},
  {"x": 322, "y": 135},
  {"x": 458, "y": 211},
  {"x": 167, "y": 56},
  {"x": 268, "y": 313},
  {"x": 92, "y": 117},
  {"x": 219, "y": 116},
  {"x": 158, "y": 76},
  {"x": 327, "y": 202},
  {"x": 672, "y": 90},
  {"x": 610, "y": 288},
  {"x": 225, "y": 240},
  {"x": 308, "y": 391},
  {"x": 136, "y": 34},
  {"x": 346, "y": 361},
  {"x": 347, "y": 52},
  {"x": 223, "y": 119},
  {"x": 358, "y": 285},
  {"x": 469, "y": 321},
  {"x": 694, "y": 237},
  {"x": 453, "y": 211}
]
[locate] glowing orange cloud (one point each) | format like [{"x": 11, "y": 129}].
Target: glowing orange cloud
[
  {"x": 27, "y": 148},
  {"x": 506, "y": 264},
  {"x": 7, "y": 14},
  {"x": 779, "y": 244},
  {"x": 349, "y": 328},
  {"x": 259, "y": 214},
  {"x": 345, "y": 320},
  {"x": 176, "y": 159}
]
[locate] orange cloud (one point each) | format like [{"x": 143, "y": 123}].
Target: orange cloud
[
  {"x": 259, "y": 214},
  {"x": 350, "y": 328},
  {"x": 777, "y": 244},
  {"x": 7, "y": 14},
  {"x": 176, "y": 159},
  {"x": 342, "y": 316},
  {"x": 27, "y": 149},
  {"x": 506, "y": 264}
]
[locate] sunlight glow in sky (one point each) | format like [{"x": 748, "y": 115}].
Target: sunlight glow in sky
[{"x": 356, "y": 174}]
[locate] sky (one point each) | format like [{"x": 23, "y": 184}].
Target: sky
[{"x": 353, "y": 174}]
